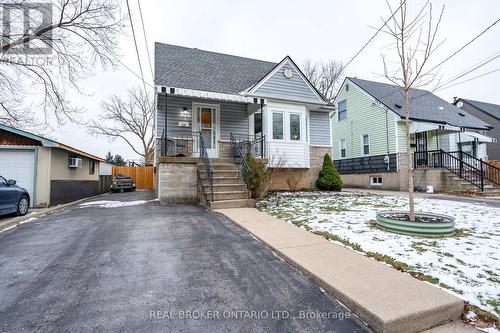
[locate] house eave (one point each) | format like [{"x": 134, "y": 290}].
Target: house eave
[{"x": 183, "y": 92}]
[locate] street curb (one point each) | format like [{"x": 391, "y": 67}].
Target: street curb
[
  {"x": 417, "y": 320},
  {"x": 16, "y": 221}
]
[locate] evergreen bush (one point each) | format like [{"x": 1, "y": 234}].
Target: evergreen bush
[{"x": 329, "y": 179}]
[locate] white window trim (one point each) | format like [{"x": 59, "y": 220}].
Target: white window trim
[
  {"x": 301, "y": 123},
  {"x": 376, "y": 184},
  {"x": 283, "y": 139},
  {"x": 340, "y": 148},
  {"x": 338, "y": 111},
  {"x": 363, "y": 145},
  {"x": 194, "y": 105}
]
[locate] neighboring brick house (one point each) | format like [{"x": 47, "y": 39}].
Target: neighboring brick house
[{"x": 489, "y": 113}]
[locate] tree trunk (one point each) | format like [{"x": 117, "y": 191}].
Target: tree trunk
[{"x": 409, "y": 158}]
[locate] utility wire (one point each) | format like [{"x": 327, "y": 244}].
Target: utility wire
[
  {"x": 482, "y": 63},
  {"x": 373, "y": 37},
  {"x": 136, "y": 48},
  {"x": 465, "y": 45},
  {"x": 470, "y": 79},
  {"x": 145, "y": 40}
]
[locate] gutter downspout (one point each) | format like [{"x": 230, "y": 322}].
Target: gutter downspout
[
  {"x": 261, "y": 128},
  {"x": 387, "y": 141}
]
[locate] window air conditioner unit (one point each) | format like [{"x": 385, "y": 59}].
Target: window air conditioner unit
[{"x": 75, "y": 162}]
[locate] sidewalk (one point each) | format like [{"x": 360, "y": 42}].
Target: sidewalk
[{"x": 386, "y": 299}]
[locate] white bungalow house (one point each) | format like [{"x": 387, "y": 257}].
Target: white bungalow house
[{"x": 214, "y": 108}]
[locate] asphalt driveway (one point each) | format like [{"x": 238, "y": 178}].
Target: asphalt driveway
[{"x": 134, "y": 265}]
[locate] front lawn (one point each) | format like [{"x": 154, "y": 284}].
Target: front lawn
[{"x": 467, "y": 263}]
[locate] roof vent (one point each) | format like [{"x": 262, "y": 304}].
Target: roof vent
[
  {"x": 398, "y": 106},
  {"x": 460, "y": 113}
]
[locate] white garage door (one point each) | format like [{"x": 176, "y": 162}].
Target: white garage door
[{"x": 19, "y": 165}]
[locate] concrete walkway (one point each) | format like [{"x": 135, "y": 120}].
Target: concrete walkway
[{"x": 386, "y": 299}]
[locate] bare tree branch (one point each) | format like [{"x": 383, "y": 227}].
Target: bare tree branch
[
  {"x": 415, "y": 41},
  {"x": 126, "y": 119},
  {"x": 40, "y": 65},
  {"x": 326, "y": 77}
]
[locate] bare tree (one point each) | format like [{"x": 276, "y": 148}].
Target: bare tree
[
  {"x": 42, "y": 59},
  {"x": 326, "y": 77},
  {"x": 415, "y": 42},
  {"x": 128, "y": 119}
]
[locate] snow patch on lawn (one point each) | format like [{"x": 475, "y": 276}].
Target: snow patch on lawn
[
  {"x": 113, "y": 204},
  {"x": 467, "y": 263}
]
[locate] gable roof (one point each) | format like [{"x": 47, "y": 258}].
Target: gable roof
[
  {"x": 190, "y": 68},
  {"x": 488, "y": 108},
  {"x": 45, "y": 142},
  {"x": 297, "y": 84},
  {"x": 424, "y": 105}
]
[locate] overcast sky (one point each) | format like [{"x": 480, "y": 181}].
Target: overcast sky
[{"x": 270, "y": 30}]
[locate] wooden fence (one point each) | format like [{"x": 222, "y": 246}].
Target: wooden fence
[{"x": 143, "y": 176}]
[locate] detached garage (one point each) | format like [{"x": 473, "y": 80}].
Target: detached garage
[{"x": 51, "y": 172}]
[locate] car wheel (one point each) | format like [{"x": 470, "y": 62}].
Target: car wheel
[{"x": 23, "y": 206}]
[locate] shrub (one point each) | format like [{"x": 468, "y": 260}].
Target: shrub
[
  {"x": 329, "y": 179},
  {"x": 259, "y": 177},
  {"x": 294, "y": 176}
]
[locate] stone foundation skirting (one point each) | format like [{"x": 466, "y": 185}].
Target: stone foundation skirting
[{"x": 306, "y": 177}]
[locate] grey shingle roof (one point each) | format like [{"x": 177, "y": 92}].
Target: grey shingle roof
[
  {"x": 188, "y": 68},
  {"x": 491, "y": 109},
  {"x": 424, "y": 105}
]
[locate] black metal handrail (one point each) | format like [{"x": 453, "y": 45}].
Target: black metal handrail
[
  {"x": 237, "y": 154},
  {"x": 208, "y": 166},
  {"x": 254, "y": 145},
  {"x": 474, "y": 174},
  {"x": 179, "y": 144},
  {"x": 491, "y": 172}
]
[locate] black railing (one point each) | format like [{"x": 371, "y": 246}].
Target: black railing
[
  {"x": 208, "y": 166},
  {"x": 254, "y": 145},
  {"x": 490, "y": 172},
  {"x": 367, "y": 164},
  {"x": 240, "y": 159},
  {"x": 465, "y": 168},
  {"x": 180, "y": 144}
]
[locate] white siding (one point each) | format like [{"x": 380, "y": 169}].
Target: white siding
[{"x": 287, "y": 153}]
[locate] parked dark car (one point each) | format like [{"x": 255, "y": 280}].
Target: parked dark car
[
  {"x": 13, "y": 199},
  {"x": 122, "y": 183}
]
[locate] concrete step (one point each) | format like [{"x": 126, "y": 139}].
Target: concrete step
[
  {"x": 220, "y": 166},
  {"x": 222, "y": 160},
  {"x": 228, "y": 180},
  {"x": 219, "y": 173},
  {"x": 230, "y": 195},
  {"x": 226, "y": 187},
  {"x": 237, "y": 203}
]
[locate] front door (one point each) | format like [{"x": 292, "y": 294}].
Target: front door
[
  {"x": 421, "y": 148},
  {"x": 206, "y": 124}
]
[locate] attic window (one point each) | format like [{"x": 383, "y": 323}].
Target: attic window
[{"x": 398, "y": 106}]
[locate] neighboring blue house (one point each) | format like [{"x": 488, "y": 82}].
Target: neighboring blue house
[{"x": 204, "y": 98}]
